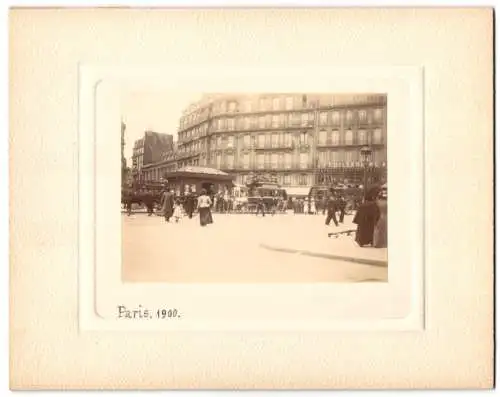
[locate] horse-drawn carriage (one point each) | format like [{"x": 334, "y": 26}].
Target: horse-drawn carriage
[
  {"x": 138, "y": 195},
  {"x": 352, "y": 195},
  {"x": 268, "y": 193}
]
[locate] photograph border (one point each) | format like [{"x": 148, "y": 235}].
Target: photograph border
[{"x": 101, "y": 87}]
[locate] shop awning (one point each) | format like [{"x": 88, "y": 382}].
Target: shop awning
[{"x": 297, "y": 191}]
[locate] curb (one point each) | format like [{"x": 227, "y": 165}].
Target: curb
[{"x": 364, "y": 261}]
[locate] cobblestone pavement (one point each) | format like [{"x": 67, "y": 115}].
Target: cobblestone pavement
[{"x": 231, "y": 250}]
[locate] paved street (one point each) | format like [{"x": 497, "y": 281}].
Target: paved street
[{"x": 244, "y": 249}]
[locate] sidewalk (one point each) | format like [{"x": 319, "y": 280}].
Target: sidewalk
[{"x": 313, "y": 240}]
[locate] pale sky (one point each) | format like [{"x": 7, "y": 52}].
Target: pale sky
[{"x": 156, "y": 111}]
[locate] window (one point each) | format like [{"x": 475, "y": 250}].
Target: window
[
  {"x": 377, "y": 135},
  {"x": 378, "y": 156},
  {"x": 378, "y": 114},
  {"x": 362, "y": 115},
  {"x": 246, "y": 141},
  {"x": 275, "y": 121},
  {"x": 261, "y": 141},
  {"x": 335, "y": 157},
  {"x": 230, "y": 124},
  {"x": 287, "y": 139},
  {"x": 304, "y": 158},
  {"x": 288, "y": 160},
  {"x": 219, "y": 158},
  {"x": 281, "y": 160},
  {"x": 232, "y": 106},
  {"x": 275, "y": 140},
  {"x": 274, "y": 160},
  {"x": 287, "y": 179},
  {"x": 276, "y": 103},
  {"x": 248, "y": 106},
  {"x": 323, "y": 118},
  {"x": 262, "y": 122},
  {"x": 322, "y": 136},
  {"x": 323, "y": 159},
  {"x": 294, "y": 118},
  {"x": 230, "y": 161},
  {"x": 350, "y": 156},
  {"x": 260, "y": 161},
  {"x": 304, "y": 119},
  {"x": 302, "y": 179},
  {"x": 223, "y": 107},
  {"x": 348, "y": 137},
  {"x": 304, "y": 138},
  {"x": 362, "y": 137},
  {"x": 230, "y": 141},
  {"x": 246, "y": 161},
  {"x": 262, "y": 104},
  {"x": 289, "y": 103},
  {"x": 348, "y": 116},
  {"x": 246, "y": 123},
  {"x": 221, "y": 124}
]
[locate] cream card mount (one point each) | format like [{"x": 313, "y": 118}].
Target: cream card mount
[{"x": 397, "y": 304}]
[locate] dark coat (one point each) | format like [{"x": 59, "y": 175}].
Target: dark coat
[
  {"x": 168, "y": 203},
  {"x": 366, "y": 218}
]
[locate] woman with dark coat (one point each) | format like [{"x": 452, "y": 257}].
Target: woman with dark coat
[
  {"x": 380, "y": 232},
  {"x": 366, "y": 218},
  {"x": 167, "y": 203},
  {"x": 189, "y": 204}
]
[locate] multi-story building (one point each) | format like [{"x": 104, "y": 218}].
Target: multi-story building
[
  {"x": 159, "y": 170},
  {"x": 150, "y": 149},
  {"x": 124, "y": 160},
  {"x": 297, "y": 139}
]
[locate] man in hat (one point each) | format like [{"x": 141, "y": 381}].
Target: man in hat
[{"x": 331, "y": 207}]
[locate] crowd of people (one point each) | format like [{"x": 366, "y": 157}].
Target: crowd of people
[{"x": 370, "y": 215}]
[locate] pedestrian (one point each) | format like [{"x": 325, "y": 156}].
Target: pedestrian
[
  {"x": 261, "y": 207},
  {"x": 331, "y": 207},
  {"x": 148, "y": 201},
  {"x": 128, "y": 201},
  {"x": 167, "y": 203},
  {"x": 190, "y": 204},
  {"x": 380, "y": 231},
  {"x": 177, "y": 214},
  {"x": 204, "y": 203},
  {"x": 324, "y": 203},
  {"x": 341, "y": 204},
  {"x": 366, "y": 217},
  {"x": 313, "y": 206}
]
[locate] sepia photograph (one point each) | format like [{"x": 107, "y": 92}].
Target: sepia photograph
[
  {"x": 251, "y": 152},
  {"x": 254, "y": 187}
]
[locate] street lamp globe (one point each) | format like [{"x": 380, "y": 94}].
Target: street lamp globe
[{"x": 366, "y": 151}]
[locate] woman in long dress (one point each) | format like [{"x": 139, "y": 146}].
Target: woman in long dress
[
  {"x": 204, "y": 203},
  {"x": 177, "y": 215},
  {"x": 366, "y": 217},
  {"x": 380, "y": 232},
  {"x": 167, "y": 203},
  {"x": 313, "y": 206}
]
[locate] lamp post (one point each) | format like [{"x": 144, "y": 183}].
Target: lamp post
[{"x": 366, "y": 152}]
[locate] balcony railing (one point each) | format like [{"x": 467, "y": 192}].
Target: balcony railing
[{"x": 276, "y": 146}]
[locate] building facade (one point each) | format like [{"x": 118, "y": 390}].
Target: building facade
[
  {"x": 159, "y": 170},
  {"x": 297, "y": 139},
  {"x": 150, "y": 149}
]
